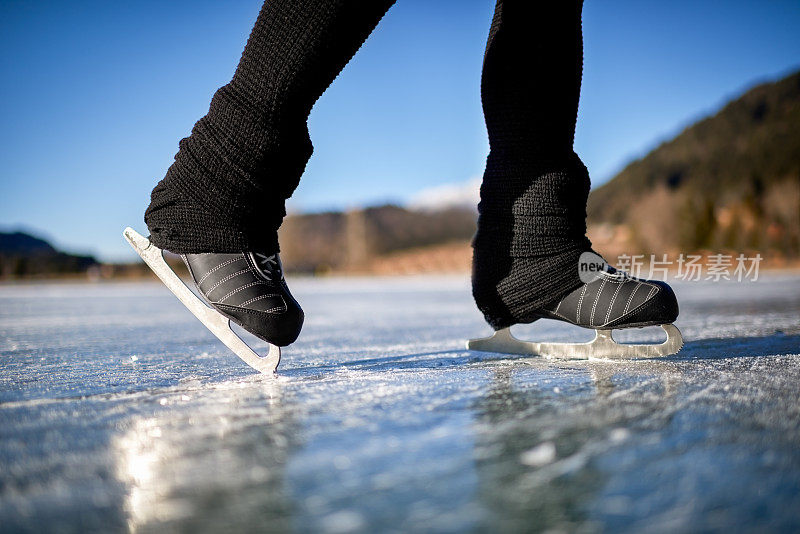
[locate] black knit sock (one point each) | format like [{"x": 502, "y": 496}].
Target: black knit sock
[
  {"x": 532, "y": 223},
  {"x": 226, "y": 190}
]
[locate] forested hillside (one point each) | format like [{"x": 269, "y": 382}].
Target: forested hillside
[{"x": 730, "y": 181}]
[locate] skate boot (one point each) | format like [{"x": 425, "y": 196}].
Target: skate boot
[
  {"x": 614, "y": 299},
  {"x": 247, "y": 288},
  {"x": 610, "y": 299}
]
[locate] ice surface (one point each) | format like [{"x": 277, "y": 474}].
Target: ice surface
[{"x": 119, "y": 411}]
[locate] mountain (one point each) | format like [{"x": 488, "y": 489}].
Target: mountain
[
  {"x": 351, "y": 240},
  {"x": 24, "y": 255},
  {"x": 730, "y": 181},
  {"x": 24, "y": 244}
]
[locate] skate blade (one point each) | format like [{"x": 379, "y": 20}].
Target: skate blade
[
  {"x": 218, "y": 324},
  {"x": 602, "y": 346}
]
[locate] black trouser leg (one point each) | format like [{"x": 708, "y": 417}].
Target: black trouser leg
[
  {"x": 532, "y": 223},
  {"x": 225, "y": 192}
]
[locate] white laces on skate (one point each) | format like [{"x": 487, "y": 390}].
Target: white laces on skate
[
  {"x": 616, "y": 274},
  {"x": 268, "y": 265}
]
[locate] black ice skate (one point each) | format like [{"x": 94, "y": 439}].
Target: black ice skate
[
  {"x": 612, "y": 300},
  {"x": 246, "y": 288},
  {"x": 250, "y": 290}
]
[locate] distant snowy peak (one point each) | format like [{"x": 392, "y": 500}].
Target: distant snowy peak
[{"x": 454, "y": 195}]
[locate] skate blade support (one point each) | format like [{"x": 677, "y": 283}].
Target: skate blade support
[
  {"x": 602, "y": 346},
  {"x": 218, "y": 324}
]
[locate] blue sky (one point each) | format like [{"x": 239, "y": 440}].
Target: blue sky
[{"x": 95, "y": 96}]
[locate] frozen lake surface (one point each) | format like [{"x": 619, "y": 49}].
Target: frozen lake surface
[{"x": 119, "y": 411}]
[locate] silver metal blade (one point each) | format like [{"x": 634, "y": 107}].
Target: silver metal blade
[
  {"x": 602, "y": 346},
  {"x": 218, "y": 324}
]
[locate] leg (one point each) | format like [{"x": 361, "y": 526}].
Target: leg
[
  {"x": 222, "y": 200},
  {"x": 226, "y": 190},
  {"x": 532, "y": 214},
  {"x": 532, "y": 223}
]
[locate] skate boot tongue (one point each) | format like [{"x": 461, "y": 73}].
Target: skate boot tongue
[{"x": 267, "y": 265}]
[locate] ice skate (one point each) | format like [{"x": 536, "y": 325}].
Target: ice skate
[
  {"x": 247, "y": 288},
  {"x": 612, "y": 300}
]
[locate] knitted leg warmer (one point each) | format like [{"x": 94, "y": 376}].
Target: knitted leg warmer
[
  {"x": 225, "y": 192},
  {"x": 532, "y": 214}
]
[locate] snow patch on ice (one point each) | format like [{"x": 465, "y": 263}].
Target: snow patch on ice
[{"x": 540, "y": 455}]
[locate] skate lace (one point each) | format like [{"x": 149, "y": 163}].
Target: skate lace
[
  {"x": 619, "y": 275},
  {"x": 269, "y": 265}
]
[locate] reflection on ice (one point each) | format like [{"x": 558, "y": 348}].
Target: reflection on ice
[
  {"x": 139, "y": 454},
  {"x": 212, "y": 457}
]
